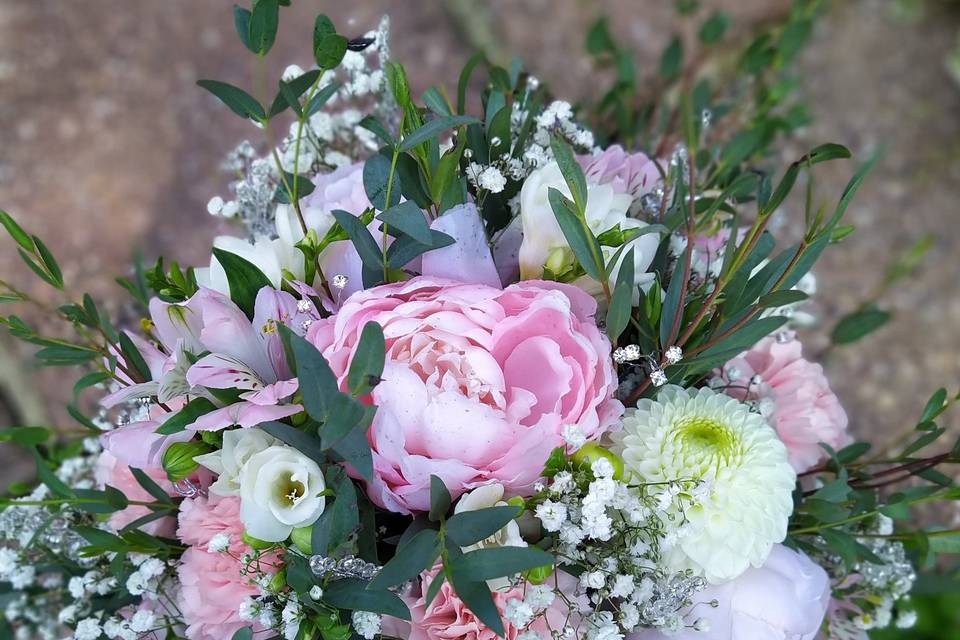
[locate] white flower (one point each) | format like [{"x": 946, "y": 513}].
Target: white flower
[
  {"x": 87, "y": 629},
  {"x": 490, "y": 495},
  {"x": 529, "y": 635},
  {"x": 551, "y": 514},
  {"x": 539, "y": 597},
  {"x": 22, "y": 577},
  {"x": 8, "y": 561},
  {"x": 138, "y": 584},
  {"x": 270, "y": 256},
  {"x": 366, "y": 624},
  {"x": 219, "y": 543},
  {"x": 574, "y": 436},
  {"x": 280, "y": 490},
  {"x": 702, "y": 435},
  {"x": 142, "y": 620},
  {"x": 75, "y": 587},
  {"x": 623, "y": 586},
  {"x": 239, "y": 445},
  {"x": 316, "y": 592},
  {"x": 247, "y": 610},
  {"x": 518, "y": 613},
  {"x": 544, "y": 241},
  {"x": 291, "y": 616},
  {"x": 67, "y": 615},
  {"x": 492, "y": 180}
]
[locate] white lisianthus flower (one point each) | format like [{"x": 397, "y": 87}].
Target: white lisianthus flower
[
  {"x": 239, "y": 445},
  {"x": 490, "y": 495},
  {"x": 543, "y": 240},
  {"x": 280, "y": 490},
  {"x": 702, "y": 435}
]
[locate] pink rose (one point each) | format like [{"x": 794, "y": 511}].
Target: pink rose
[
  {"x": 114, "y": 472},
  {"x": 785, "y": 599},
  {"x": 448, "y": 618},
  {"x": 479, "y": 383},
  {"x": 794, "y": 395},
  {"x": 213, "y": 585},
  {"x": 631, "y": 173}
]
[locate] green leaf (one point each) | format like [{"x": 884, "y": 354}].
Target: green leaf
[
  {"x": 290, "y": 92},
  {"x": 300, "y": 440},
  {"x": 572, "y": 172},
  {"x": 578, "y": 235},
  {"x": 464, "y": 80},
  {"x": 621, "y": 305},
  {"x": 293, "y": 188},
  {"x": 781, "y": 298},
  {"x": 132, "y": 356},
  {"x": 329, "y": 46},
  {"x": 27, "y": 436},
  {"x": 858, "y": 324},
  {"x": 246, "y": 633},
  {"x": 433, "y": 128},
  {"x": 470, "y": 527},
  {"x": 410, "y": 560},
  {"x": 45, "y": 474},
  {"x": 496, "y": 562},
  {"x": 19, "y": 236},
  {"x": 476, "y": 595},
  {"x": 850, "y": 190},
  {"x": 49, "y": 262},
  {"x": 241, "y": 21},
  {"x": 924, "y": 440},
  {"x": 439, "y": 499},
  {"x": 368, "y": 358},
  {"x": 405, "y": 248},
  {"x": 320, "y": 98},
  {"x": 186, "y": 416},
  {"x": 408, "y": 218},
  {"x": 376, "y": 127},
  {"x": 239, "y": 101},
  {"x": 263, "y": 23},
  {"x": 352, "y": 594},
  {"x": 436, "y": 102},
  {"x": 368, "y": 249},
  {"x": 376, "y": 178},
  {"x": 101, "y": 539},
  {"x": 354, "y": 449},
  {"x": 150, "y": 486},
  {"x": 672, "y": 305},
  {"x": 714, "y": 27},
  {"x": 244, "y": 278},
  {"x": 672, "y": 59},
  {"x": 934, "y": 405}
]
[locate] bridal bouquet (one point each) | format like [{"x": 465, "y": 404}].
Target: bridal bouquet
[{"x": 471, "y": 371}]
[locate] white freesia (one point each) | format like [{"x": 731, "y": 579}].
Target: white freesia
[
  {"x": 543, "y": 240},
  {"x": 280, "y": 490},
  {"x": 745, "y": 503},
  {"x": 239, "y": 445}
]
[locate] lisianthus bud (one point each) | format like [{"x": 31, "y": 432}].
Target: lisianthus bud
[
  {"x": 302, "y": 538},
  {"x": 538, "y": 575},
  {"x": 256, "y": 543},
  {"x": 588, "y": 453},
  {"x": 178, "y": 459},
  {"x": 559, "y": 260}
]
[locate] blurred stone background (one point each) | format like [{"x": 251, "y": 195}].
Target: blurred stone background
[{"x": 107, "y": 147}]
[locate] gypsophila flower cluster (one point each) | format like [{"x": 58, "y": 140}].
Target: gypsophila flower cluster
[
  {"x": 613, "y": 532},
  {"x": 874, "y": 595}
]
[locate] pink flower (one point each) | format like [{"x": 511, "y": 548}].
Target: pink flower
[
  {"x": 213, "y": 585},
  {"x": 448, "y": 618},
  {"x": 631, "y": 173},
  {"x": 112, "y": 471},
  {"x": 794, "y": 395},
  {"x": 479, "y": 383},
  {"x": 200, "y": 519},
  {"x": 785, "y": 599}
]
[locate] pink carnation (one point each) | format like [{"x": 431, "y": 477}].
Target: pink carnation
[
  {"x": 114, "y": 472},
  {"x": 212, "y": 585},
  {"x": 479, "y": 382},
  {"x": 794, "y": 395},
  {"x": 448, "y": 618}
]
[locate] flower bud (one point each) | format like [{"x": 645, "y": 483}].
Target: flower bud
[
  {"x": 302, "y": 538},
  {"x": 178, "y": 458},
  {"x": 585, "y": 456},
  {"x": 538, "y": 575}
]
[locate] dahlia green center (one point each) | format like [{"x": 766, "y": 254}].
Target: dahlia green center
[{"x": 706, "y": 436}]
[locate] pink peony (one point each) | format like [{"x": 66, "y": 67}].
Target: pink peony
[
  {"x": 114, "y": 472},
  {"x": 785, "y": 599},
  {"x": 212, "y": 585},
  {"x": 631, "y": 173},
  {"x": 793, "y": 394},
  {"x": 448, "y": 618},
  {"x": 479, "y": 382}
]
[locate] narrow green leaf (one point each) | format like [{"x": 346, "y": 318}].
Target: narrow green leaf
[
  {"x": 476, "y": 595},
  {"x": 858, "y": 324},
  {"x": 150, "y": 486},
  {"x": 368, "y": 359},
  {"x": 263, "y": 23},
  {"x": 19, "y": 236},
  {"x": 376, "y": 180},
  {"x": 433, "y": 128},
  {"x": 572, "y": 172},
  {"x": 470, "y": 527},
  {"x": 411, "y": 559},
  {"x": 352, "y": 594},
  {"x": 439, "y": 499},
  {"x": 578, "y": 235},
  {"x": 303, "y": 442},
  {"x": 244, "y": 278},
  {"x": 368, "y": 249},
  {"x": 408, "y": 218},
  {"x": 186, "y": 416},
  {"x": 239, "y": 101}
]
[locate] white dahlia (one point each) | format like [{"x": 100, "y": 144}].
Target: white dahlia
[{"x": 744, "y": 501}]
